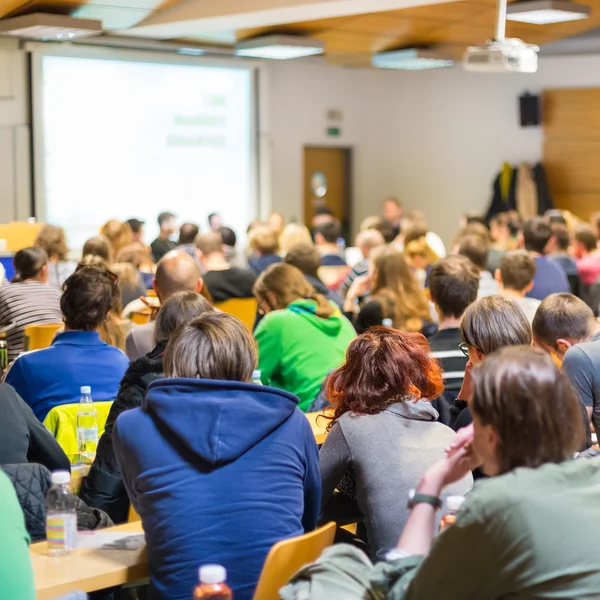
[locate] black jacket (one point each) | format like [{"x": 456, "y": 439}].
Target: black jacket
[
  {"x": 23, "y": 438},
  {"x": 31, "y": 483},
  {"x": 103, "y": 487}
]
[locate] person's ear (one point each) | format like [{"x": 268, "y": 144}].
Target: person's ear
[
  {"x": 498, "y": 276},
  {"x": 319, "y": 239},
  {"x": 562, "y": 346},
  {"x": 199, "y": 285},
  {"x": 480, "y": 355},
  {"x": 528, "y": 287}
]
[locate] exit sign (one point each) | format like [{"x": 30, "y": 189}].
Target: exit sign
[{"x": 334, "y": 131}]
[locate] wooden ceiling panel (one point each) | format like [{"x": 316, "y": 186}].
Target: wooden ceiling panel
[
  {"x": 451, "y": 12},
  {"x": 342, "y": 42},
  {"x": 375, "y": 24}
]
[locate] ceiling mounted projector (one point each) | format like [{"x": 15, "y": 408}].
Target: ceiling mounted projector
[
  {"x": 46, "y": 27},
  {"x": 279, "y": 47},
  {"x": 502, "y": 54}
]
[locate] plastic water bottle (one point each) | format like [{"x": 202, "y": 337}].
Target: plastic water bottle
[
  {"x": 87, "y": 424},
  {"x": 453, "y": 505},
  {"x": 256, "y": 377},
  {"x": 61, "y": 516},
  {"x": 212, "y": 584}
]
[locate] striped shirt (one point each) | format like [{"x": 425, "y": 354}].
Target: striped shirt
[
  {"x": 27, "y": 303},
  {"x": 444, "y": 348}
]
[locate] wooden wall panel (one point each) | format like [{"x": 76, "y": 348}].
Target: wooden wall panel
[{"x": 572, "y": 148}]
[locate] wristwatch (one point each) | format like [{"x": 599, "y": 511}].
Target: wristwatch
[{"x": 414, "y": 499}]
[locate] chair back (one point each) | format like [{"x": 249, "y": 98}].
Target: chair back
[
  {"x": 40, "y": 336},
  {"x": 62, "y": 423},
  {"x": 19, "y": 234},
  {"x": 132, "y": 517},
  {"x": 288, "y": 557},
  {"x": 141, "y": 317},
  {"x": 242, "y": 308}
]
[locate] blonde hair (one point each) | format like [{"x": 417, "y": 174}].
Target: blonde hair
[
  {"x": 292, "y": 235},
  {"x": 421, "y": 248},
  {"x": 398, "y": 291},
  {"x": 287, "y": 284},
  {"x": 264, "y": 240},
  {"x": 52, "y": 239},
  {"x": 372, "y": 222},
  {"x": 118, "y": 234}
]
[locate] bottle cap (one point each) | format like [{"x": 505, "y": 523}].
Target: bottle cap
[
  {"x": 85, "y": 389},
  {"x": 60, "y": 477},
  {"x": 454, "y": 503},
  {"x": 256, "y": 374},
  {"x": 212, "y": 574}
]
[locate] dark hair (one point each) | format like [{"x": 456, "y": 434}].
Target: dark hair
[
  {"x": 476, "y": 218},
  {"x": 228, "y": 236},
  {"x": 135, "y": 224},
  {"x": 163, "y": 217},
  {"x": 188, "y": 233},
  {"x": 304, "y": 257},
  {"x": 562, "y": 236},
  {"x": 563, "y": 316},
  {"x": 211, "y": 217},
  {"x": 179, "y": 308},
  {"x": 322, "y": 211},
  {"x": 494, "y": 322},
  {"x": 53, "y": 240},
  {"x": 214, "y": 345},
  {"x": 555, "y": 216},
  {"x": 531, "y": 406},
  {"x": 585, "y": 235},
  {"x": 28, "y": 262},
  {"x": 517, "y": 269},
  {"x": 476, "y": 249},
  {"x": 88, "y": 296},
  {"x": 536, "y": 234},
  {"x": 97, "y": 246},
  {"x": 383, "y": 366},
  {"x": 330, "y": 230},
  {"x": 453, "y": 285}
]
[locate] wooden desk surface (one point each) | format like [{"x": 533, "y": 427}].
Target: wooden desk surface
[
  {"x": 319, "y": 425},
  {"x": 87, "y": 570}
]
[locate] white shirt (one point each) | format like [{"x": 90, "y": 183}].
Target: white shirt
[{"x": 488, "y": 286}]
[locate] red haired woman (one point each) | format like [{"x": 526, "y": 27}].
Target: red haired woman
[{"x": 384, "y": 433}]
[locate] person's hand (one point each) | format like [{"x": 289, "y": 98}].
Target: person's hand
[
  {"x": 466, "y": 390},
  {"x": 360, "y": 287},
  {"x": 464, "y": 436}
]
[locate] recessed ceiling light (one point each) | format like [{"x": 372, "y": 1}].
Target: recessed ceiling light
[
  {"x": 192, "y": 51},
  {"x": 542, "y": 12},
  {"x": 47, "y": 27},
  {"x": 279, "y": 47},
  {"x": 412, "y": 59}
]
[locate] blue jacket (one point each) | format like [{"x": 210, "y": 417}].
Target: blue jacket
[
  {"x": 219, "y": 471},
  {"x": 52, "y": 376}
]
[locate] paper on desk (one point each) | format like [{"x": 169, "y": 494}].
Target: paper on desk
[{"x": 110, "y": 540}]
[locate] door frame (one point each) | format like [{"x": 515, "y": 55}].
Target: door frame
[{"x": 348, "y": 200}]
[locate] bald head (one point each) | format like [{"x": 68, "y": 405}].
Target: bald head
[
  {"x": 369, "y": 239},
  {"x": 176, "y": 272}
]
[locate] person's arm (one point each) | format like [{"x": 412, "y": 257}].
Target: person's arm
[
  {"x": 121, "y": 453},
  {"x": 335, "y": 460},
  {"x": 312, "y": 480},
  {"x": 580, "y": 370},
  {"x": 17, "y": 378},
  {"x": 268, "y": 338}
]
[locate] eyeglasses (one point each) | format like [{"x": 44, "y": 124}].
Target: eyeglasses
[{"x": 464, "y": 348}]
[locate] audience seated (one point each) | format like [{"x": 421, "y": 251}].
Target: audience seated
[
  {"x": 414, "y": 226},
  {"x": 499, "y": 233},
  {"x": 366, "y": 241},
  {"x": 129, "y": 279},
  {"x": 565, "y": 327},
  {"x": 175, "y": 272},
  {"x": 392, "y": 213},
  {"x": 383, "y": 434},
  {"x": 16, "y": 572},
  {"x": 28, "y": 299},
  {"x": 187, "y": 239},
  {"x": 515, "y": 278},
  {"x": 549, "y": 277},
  {"x": 557, "y": 250},
  {"x": 517, "y": 527},
  {"x": 221, "y": 279},
  {"x": 232, "y": 256},
  {"x": 163, "y": 243},
  {"x": 302, "y": 336},
  {"x": 103, "y": 487},
  {"x": 276, "y": 222},
  {"x": 118, "y": 234},
  {"x": 395, "y": 295},
  {"x": 307, "y": 258},
  {"x": 98, "y": 246},
  {"x": 52, "y": 377},
  {"x": 52, "y": 239},
  {"x": 137, "y": 256},
  {"x": 326, "y": 240},
  {"x": 137, "y": 230},
  {"x": 265, "y": 246},
  {"x": 292, "y": 235},
  {"x": 488, "y": 324},
  {"x": 587, "y": 253},
  {"x": 208, "y": 487},
  {"x": 23, "y": 438},
  {"x": 476, "y": 248},
  {"x": 453, "y": 285}
]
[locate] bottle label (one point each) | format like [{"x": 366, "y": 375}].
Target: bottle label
[
  {"x": 87, "y": 434},
  {"x": 61, "y": 531}
]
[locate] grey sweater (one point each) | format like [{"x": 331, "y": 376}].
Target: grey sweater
[{"x": 386, "y": 454}]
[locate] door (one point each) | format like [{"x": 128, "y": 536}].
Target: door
[{"x": 327, "y": 184}]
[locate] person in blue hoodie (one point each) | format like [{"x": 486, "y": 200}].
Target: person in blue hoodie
[{"x": 218, "y": 468}]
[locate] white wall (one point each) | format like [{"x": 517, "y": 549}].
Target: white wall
[{"x": 435, "y": 139}]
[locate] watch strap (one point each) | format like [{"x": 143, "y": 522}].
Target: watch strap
[{"x": 415, "y": 499}]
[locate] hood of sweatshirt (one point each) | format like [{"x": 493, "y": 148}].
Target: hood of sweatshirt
[
  {"x": 217, "y": 420},
  {"x": 306, "y": 309}
]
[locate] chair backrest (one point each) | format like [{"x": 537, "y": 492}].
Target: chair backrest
[
  {"x": 19, "y": 234},
  {"x": 141, "y": 317},
  {"x": 242, "y": 308},
  {"x": 40, "y": 336},
  {"x": 132, "y": 516},
  {"x": 288, "y": 556},
  {"x": 62, "y": 423}
]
